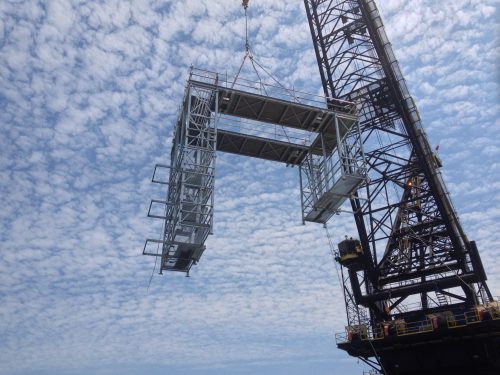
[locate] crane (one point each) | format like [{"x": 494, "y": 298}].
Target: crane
[{"x": 414, "y": 285}]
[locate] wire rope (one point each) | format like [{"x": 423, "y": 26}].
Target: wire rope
[{"x": 255, "y": 63}]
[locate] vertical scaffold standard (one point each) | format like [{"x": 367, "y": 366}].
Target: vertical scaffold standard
[
  {"x": 257, "y": 120},
  {"x": 188, "y": 210}
]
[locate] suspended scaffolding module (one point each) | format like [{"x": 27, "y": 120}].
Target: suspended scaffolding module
[{"x": 320, "y": 136}]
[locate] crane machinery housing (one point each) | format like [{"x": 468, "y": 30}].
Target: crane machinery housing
[{"x": 414, "y": 285}]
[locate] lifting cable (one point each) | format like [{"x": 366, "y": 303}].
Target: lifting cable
[
  {"x": 248, "y": 54},
  {"x": 332, "y": 251}
]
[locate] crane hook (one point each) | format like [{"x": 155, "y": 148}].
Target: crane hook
[{"x": 245, "y": 4}]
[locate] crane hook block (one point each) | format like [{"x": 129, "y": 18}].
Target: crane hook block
[{"x": 245, "y": 3}]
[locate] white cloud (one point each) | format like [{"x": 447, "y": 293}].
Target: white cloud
[{"x": 90, "y": 92}]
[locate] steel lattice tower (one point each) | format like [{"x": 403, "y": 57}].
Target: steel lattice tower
[{"x": 413, "y": 258}]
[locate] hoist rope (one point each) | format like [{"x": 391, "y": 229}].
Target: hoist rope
[
  {"x": 248, "y": 54},
  {"x": 247, "y": 46},
  {"x": 291, "y": 92},
  {"x": 332, "y": 251},
  {"x": 154, "y": 268}
]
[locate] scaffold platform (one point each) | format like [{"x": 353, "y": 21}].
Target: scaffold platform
[{"x": 253, "y": 119}]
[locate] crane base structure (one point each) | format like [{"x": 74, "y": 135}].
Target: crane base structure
[{"x": 444, "y": 343}]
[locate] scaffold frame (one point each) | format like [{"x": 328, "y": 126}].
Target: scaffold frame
[
  {"x": 188, "y": 209},
  {"x": 252, "y": 119},
  {"x": 328, "y": 179}
]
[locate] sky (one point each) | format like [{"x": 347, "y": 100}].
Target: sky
[{"x": 89, "y": 94}]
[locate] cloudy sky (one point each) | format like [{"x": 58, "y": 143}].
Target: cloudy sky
[{"x": 89, "y": 92}]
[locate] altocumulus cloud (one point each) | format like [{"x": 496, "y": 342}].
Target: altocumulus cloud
[{"x": 89, "y": 92}]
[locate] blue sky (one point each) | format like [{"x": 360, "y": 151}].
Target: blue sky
[{"x": 89, "y": 92}]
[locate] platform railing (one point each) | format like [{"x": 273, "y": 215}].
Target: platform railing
[
  {"x": 414, "y": 328},
  {"x": 268, "y": 131},
  {"x": 487, "y": 312},
  {"x": 271, "y": 90}
]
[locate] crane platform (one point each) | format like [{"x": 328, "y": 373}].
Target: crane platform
[{"x": 471, "y": 339}]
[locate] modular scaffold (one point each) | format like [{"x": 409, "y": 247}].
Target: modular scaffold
[{"x": 318, "y": 135}]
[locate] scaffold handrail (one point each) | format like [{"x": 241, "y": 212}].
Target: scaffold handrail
[{"x": 279, "y": 92}]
